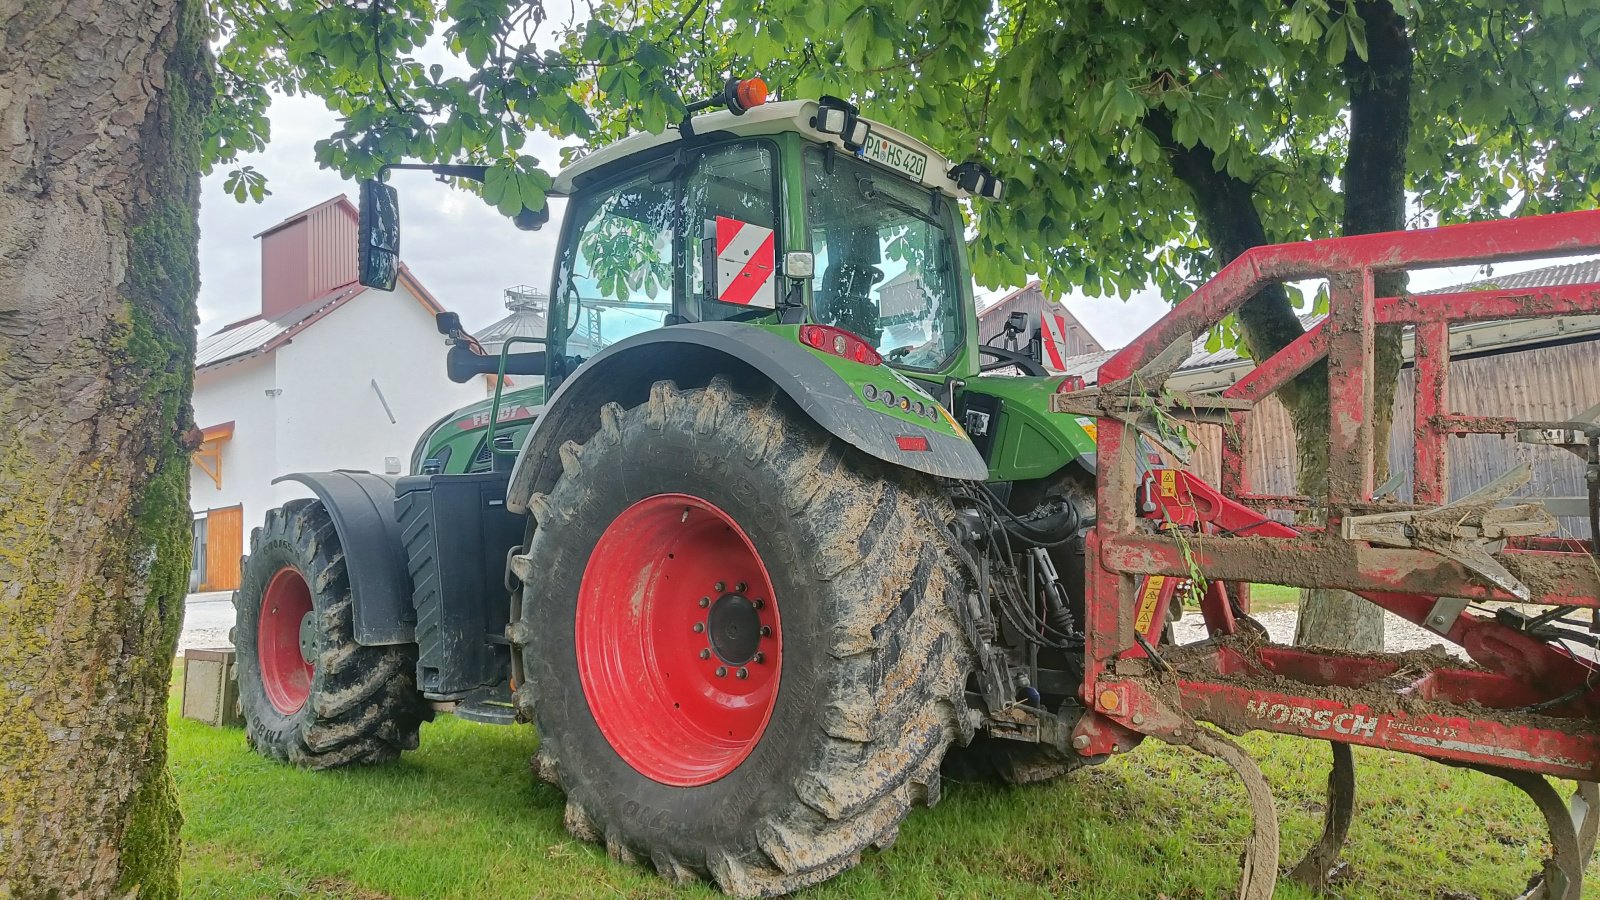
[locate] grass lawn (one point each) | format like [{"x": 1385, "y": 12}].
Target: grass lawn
[{"x": 462, "y": 817}]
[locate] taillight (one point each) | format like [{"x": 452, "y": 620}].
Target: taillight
[
  {"x": 911, "y": 443},
  {"x": 1071, "y": 384},
  {"x": 840, "y": 343}
]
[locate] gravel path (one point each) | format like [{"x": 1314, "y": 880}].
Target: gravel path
[
  {"x": 206, "y": 620},
  {"x": 1399, "y": 634}
]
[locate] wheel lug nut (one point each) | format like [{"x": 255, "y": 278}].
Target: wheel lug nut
[
  {"x": 705, "y": 654},
  {"x": 765, "y": 631},
  {"x": 705, "y": 602},
  {"x": 699, "y": 627},
  {"x": 738, "y": 588},
  {"x": 721, "y": 671},
  {"x": 760, "y": 658},
  {"x": 718, "y": 587},
  {"x": 743, "y": 672},
  {"x": 757, "y": 603}
]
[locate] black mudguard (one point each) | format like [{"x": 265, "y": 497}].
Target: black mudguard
[
  {"x": 624, "y": 372},
  {"x": 361, "y": 505}
]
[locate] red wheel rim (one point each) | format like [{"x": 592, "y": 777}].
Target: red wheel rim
[
  {"x": 285, "y": 612},
  {"x": 674, "y": 594}
]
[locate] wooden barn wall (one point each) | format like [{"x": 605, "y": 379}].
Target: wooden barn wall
[{"x": 1548, "y": 383}]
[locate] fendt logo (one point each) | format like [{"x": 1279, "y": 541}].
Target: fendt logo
[{"x": 1313, "y": 719}]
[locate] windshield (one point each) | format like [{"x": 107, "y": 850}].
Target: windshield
[{"x": 883, "y": 261}]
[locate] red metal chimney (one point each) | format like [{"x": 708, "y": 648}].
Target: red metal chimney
[{"x": 307, "y": 255}]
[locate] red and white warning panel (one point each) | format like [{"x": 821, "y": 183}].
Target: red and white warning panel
[
  {"x": 1053, "y": 335},
  {"x": 745, "y": 266}
]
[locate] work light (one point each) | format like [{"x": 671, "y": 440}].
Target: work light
[
  {"x": 976, "y": 179},
  {"x": 836, "y": 116}
]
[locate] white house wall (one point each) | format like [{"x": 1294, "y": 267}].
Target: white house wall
[
  {"x": 237, "y": 393},
  {"x": 329, "y": 415}
]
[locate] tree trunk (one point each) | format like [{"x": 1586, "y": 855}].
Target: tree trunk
[
  {"x": 100, "y": 124},
  {"x": 1374, "y": 195},
  {"x": 1374, "y": 200}
]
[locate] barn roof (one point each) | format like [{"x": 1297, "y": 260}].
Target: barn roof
[{"x": 1226, "y": 364}]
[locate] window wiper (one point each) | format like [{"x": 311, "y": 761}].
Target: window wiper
[{"x": 863, "y": 187}]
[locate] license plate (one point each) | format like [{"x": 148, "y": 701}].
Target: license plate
[{"x": 898, "y": 157}]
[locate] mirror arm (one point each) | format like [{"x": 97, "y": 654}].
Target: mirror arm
[{"x": 473, "y": 173}]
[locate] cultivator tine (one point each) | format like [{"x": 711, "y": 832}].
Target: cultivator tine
[
  {"x": 1321, "y": 862},
  {"x": 1572, "y": 833},
  {"x": 1260, "y": 864}
]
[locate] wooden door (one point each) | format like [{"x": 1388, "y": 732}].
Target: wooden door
[{"x": 224, "y": 545}]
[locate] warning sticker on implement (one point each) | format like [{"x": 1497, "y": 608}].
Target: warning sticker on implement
[
  {"x": 745, "y": 264},
  {"x": 1145, "y": 611}
]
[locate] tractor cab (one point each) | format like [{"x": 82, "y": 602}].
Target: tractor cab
[
  {"x": 772, "y": 215},
  {"x": 780, "y": 213}
]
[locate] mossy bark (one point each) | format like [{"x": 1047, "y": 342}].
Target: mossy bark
[{"x": 100, "y": 119}]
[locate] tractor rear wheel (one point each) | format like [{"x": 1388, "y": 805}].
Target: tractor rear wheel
[
  {"x": 740, "y": 641},
  {"x": 310, "y": 694}
]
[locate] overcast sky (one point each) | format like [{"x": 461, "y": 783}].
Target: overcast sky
[
  {"x": 460, "y": 248},
  {"x": 463, "y": 251}
]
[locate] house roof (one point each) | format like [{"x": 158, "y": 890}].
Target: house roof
[
  {"x": 1476, "y": 336},
  {"x": 256, "y": 336}
]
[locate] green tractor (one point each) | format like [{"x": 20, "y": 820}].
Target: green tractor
[{"x": 779, "y": 543}]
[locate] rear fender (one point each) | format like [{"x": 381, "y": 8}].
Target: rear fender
[
  {"x": 693, "y": 353},
  {"x": 361, "y": 505}
]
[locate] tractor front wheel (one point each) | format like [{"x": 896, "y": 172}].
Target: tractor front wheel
[
  {"x": 740, "y": 643},
  {"x": 310, "y": 694}
]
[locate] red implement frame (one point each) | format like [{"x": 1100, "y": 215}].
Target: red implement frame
[{"x": 1425, "y": 705}]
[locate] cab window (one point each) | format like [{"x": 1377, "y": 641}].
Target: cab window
[
  {"x": 883, "y": 258},
  {"x": 731, "y": 239},
  {"x": 616, "y": 279}
]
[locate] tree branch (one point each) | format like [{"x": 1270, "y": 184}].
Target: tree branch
[{"x": 1228, "y": 218}]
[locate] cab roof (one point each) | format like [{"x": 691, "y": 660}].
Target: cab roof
[{"x": 769, "y": 118}]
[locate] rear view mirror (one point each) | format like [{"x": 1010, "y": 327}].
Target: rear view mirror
[
  {"x": 378, "y": 235},
  {"x": 532, "y": 219},
  {"x": 448, "y": 323}
]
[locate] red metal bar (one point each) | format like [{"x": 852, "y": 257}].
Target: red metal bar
[
  {"x": 1432, "y": 355},
  {"x": 1565, "y": 579},
  {"x": 1351, "y": 339},
  {"x": 1488, "y": 306},
  {"x": 1486, "y": 741},
  {"x": 1217, "y": 611},
  {"x": 1276, "y": 370},
  {"x": 1563, "y": 234}
]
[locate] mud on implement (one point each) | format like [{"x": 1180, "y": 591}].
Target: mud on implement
[{"x": 1525, "y": 708}]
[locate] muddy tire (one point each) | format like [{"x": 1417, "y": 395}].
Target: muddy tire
[
  {"x": 680, "y": 526},
  {"x": 349, "y": 704}
]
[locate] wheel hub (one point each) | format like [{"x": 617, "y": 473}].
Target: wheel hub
[
  {"x": 734, "y": 628},
  {"x": 308, "y": 637}
]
